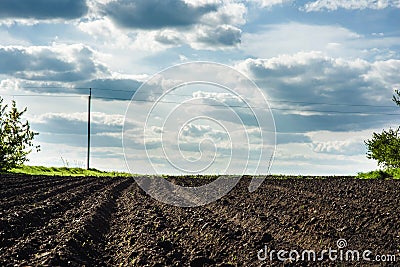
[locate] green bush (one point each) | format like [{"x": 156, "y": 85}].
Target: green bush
[{"x": 380, "y": 174}]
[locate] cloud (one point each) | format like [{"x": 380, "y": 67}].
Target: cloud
[
  {"x": 97, "y": 140},
  {"x": 339, "y": 143},
  {"x": 326, "y": 152},
  {"x": 269, "y": 3},
  {"x": 66, "y": 63},
  {"x": 289, "y": 138},
  {"x": 219, "y": 29},
  {"x": 295, "y": 37},
  {"x": 221, "y": 36},
  {"x": 334, "y": 40},
  {"x": 111, "y": 89},
  {"x": 155, "y": 14},
  {"x": 107, "y": 89},
  {"x": 200, "y": 37},
  {"x": 330, "y": 5},
  {"x": 349, "y": 147},
  {"x": 314, "y": 76},
  {"x": 157, "y": 25},
  {"x": 168, "y": 37},
  {"x": 228, "y": 13},
  {"x": 76, "y": 123},
  {"x": 222, "y": 99},
  {"x": 309, "y": 162},
  {"x": 71, "y": 128},
  {"x": 205, "y": 131},
  {"x": 303, "y": 80},
  {"x": 42, "y": 9}
]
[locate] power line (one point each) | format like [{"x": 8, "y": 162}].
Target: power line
[
  {"x": 252, "y": 107},
  {"x": 55, "y": 87},
  {"x": 77, "y": 88},
  {"x": 172, "y": 94},
  {"x": 229, "y": 106},
  {"x": 42, "y": 95}
]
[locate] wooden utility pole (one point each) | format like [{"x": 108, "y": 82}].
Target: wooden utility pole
[{"x": 88, "y": 130}]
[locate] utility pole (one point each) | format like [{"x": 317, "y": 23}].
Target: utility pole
[{"x": 88, "y": 130}]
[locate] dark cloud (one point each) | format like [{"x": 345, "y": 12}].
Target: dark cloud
[
  {"x": 312, "y": 77},
  {"x": 168, "y": 39},
  {"x": 49, "y": 63},
  {"x": 155, "y": 14},
  {"x": 222, "y": 36},
  {"x": 17, "y": 60},
  {"x": 348, "y": 90},
  {"x": 43, "y": 9}
]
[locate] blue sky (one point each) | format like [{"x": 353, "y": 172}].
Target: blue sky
[{"x": 328, "y": 69}]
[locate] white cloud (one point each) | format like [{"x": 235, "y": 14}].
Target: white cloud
[
  {"x": 10, "y": 86},
  {"x": 110, "y": 37},
  {"x": 222, "y": 98},
  {"x": 191, "y": 130},
  {"x": 296, "y": 37},
  {"x": 216, "y": 29},
  {"x": 199, "y": 3},
  {"x": 325, "y": 153},
  {"x": 229, "y": 12},
  {"x": 333, "y": 40},
  {"x": 340, "y": 143},
  {"x": 339, "y": 147},
  {"x": 386, "y": 72},
  {"x": 96, "y": 117},
  {"x": 270, "y": 3},
  {"x": 314, "y": 76},
  {"x": 322, "y": 5},
  {"x": 353, "y": 94}
]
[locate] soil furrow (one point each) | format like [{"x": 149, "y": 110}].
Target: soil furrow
[
  {"x": 113, "y": 222},
  {"x": 29, "y": 188},
  {"x": 82, "y": 242},
  {"x": 44, "y": 193},
  {"x": 16, "y": 223}
]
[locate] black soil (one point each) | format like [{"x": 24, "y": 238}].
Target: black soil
[{"x": 67, "y": 221}]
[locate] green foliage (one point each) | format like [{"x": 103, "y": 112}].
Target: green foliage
[
  {"x": 63, "y": 171},
  {"x": 395, "y": 98},
  {"x": 385, "y": 147},
  {"x": 15, "y": 137},
  {"x": 380, "y": 174}
]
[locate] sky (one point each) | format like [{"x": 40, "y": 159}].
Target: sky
[{"x": 324, "y": 74}]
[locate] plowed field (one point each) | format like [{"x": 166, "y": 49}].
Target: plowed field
[{"x": 69, "y": 221}]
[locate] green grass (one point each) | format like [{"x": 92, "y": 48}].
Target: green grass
[
  {"x": 63, "y": 171},
  {"x": 380, "y": 174}
]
